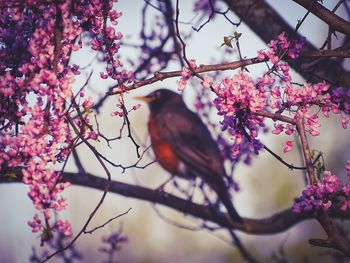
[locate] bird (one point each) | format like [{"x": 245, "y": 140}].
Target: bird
[{"x": 183, "y": 144}]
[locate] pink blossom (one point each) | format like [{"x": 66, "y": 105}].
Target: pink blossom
[
  {"x": 63, "y": 227},
  {"x": 278, "y": 128},
  {"x": 261, "y": 55},
  {"x": 345, "y": 121},
  {"x": 186, "y": 73},
  {"x": 207, "y": 82},
  {"x": 347, "y": 167},
  {"x": 346, "y": 190},
  {"x": 88, "y": 103},
  {"x": 290, "y": 129},
  {"x": 136, "y": 107},
  {"x": 103, "y": 75},
  {"x": 92, "y": 135},
  {"x": 118, "y": 113},
  {"x": 345, "y": 206},
  {"x": 35, "y": 224},
  {"x": 288, "y": 146},
  {"x": 273, "y": 45}
]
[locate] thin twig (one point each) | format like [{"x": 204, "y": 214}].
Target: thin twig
[
  {"x": 105, "y": 191},
  {"x": 242, "y": 250},
  {"x": 104, "y": 224}
]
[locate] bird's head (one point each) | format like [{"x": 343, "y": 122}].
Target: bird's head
[{"x": 158, "y": 98}]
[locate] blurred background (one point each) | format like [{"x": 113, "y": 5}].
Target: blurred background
[{"x": 267, "y": 186}]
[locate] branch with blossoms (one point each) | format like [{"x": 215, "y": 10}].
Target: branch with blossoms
[
  {"x": 186, "y": 73},
  {"x": 258, "y": 14},
  {"x": 245, "y": 104},
  {"x": 40, "y": 113}
]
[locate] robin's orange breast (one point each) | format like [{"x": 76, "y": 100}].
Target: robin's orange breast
[{"x": 163, "y": 150}]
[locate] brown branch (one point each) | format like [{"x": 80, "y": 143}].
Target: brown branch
[
  {"x": 275, "y": 223},
  {"x": 335, "y": 22},
  {"x": 334, "y": 235},
  {"x": 306, "y": 151},
  {"x": 279, "y": 158},
  {"x": 276, "y": 116},
  {"x": 178, "y": 35},
  {"x": 211, "y": 15},
  {"x": 169, "y": 13},
  {"x": 160, "y": 76},
  {"x": 183, "y": 44},
  {"x": 335, "y": 239},
  {"x": 327, "y": 53}
]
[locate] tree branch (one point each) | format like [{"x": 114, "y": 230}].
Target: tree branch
[
  {"x": 335, "y": 22},
  {"x": 273, "y": 224},
  {"x": 160, "y": 76}
]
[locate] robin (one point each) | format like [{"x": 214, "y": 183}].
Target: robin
[{"x": 183, "y": 145}]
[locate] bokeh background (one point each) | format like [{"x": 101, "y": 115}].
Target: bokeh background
[{"x": 266, "y": 186}]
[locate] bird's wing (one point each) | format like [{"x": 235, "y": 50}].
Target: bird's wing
[
  {"x": 193, "y": 143},
  {"x": 195, "y": 147}
]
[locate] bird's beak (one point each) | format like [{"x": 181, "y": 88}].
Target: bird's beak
[{"x": 146, "y": 99}]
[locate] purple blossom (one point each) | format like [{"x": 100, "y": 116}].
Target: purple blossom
[{"x": 323, "y": 195}]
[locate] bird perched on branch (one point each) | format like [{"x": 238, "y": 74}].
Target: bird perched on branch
[{"x": 184, "y": 146}]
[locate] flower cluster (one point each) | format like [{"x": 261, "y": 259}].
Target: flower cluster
[
  {"x": 341, "y": 97},
  {"x": 62, "y": 227},
  {"x": 186, "y": 74},
  {"x": 281, "y": 47},
  {"x": 237, "y": 99},
  {"x": 36, "y": 81},
  {"x": 95, "y": 15},
  {"x": 242, "y": 101},
  {"x": 38, "y": 135},
  {"x": 322, "y": 196}
]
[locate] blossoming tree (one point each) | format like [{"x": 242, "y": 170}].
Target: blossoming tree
[{"x": 44, "y": 117}]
